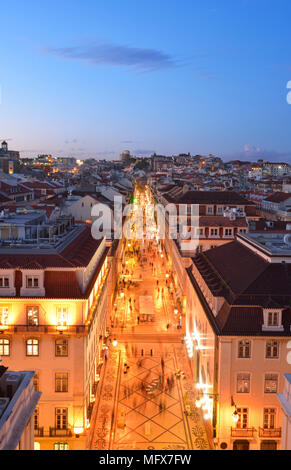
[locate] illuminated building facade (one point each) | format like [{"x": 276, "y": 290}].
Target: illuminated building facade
[
  {"x": 53, "y": 319},
  {"x": 238, "y": 320}
]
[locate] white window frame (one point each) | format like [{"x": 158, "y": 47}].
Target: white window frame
[
  {"x": 217, "y": 230},
  {"x": 228, "y": 235},
  {"x": 62, "y": 315},
  {"x": 270, "y": 327}
]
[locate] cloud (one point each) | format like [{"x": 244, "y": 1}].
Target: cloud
[
  {"x": 143, "y": 152},
  {"x": 137, "y": 59},
  {"x": 254, "y": 153}
]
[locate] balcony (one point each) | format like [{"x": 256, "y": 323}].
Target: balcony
[
  {"x": 75, "y": 329},
  {"x": 39, "y": 432},
  {"x": 55, "y": 432},
  {"x": 244, "y": 432},
  {"x": 266, "y": 432}
]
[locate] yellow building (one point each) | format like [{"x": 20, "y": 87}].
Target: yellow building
[{"x": 53, "y": 320}]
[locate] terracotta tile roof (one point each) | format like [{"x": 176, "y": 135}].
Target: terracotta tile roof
[
  {"x": 221, "y": 221},
  {"x": 62, "y": 284},
  {"x": 248, "y": 284},
  {"x": 76, "y": 254},
  {"x": 278, "y": 197},
  {"x": 210, "y": 197}
]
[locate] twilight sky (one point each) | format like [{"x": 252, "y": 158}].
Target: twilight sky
[{"x": 90, "y": 78}]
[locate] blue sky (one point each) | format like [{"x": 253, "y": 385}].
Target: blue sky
[{"x": 91, "y": 78}]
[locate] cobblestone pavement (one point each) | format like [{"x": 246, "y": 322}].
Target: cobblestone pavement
[{"x": 142, "y": 405}]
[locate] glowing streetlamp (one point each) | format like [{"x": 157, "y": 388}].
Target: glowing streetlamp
[
  {"x": 235, "y": 416},
  {"x": 114, "y": 342}
]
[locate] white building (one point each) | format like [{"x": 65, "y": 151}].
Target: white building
[
  {"x": 285, "y": 400},
  {"x": 18, "y": 400}
]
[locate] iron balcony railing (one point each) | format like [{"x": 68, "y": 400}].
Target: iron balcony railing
[
  {"x": 270, "y": 432},
  {"x": 77, "y": 329},
  {"x": 55, "y": 432},
  {"x": 242, "y": 432}
]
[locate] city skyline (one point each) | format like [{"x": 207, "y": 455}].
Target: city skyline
[{"x": 90, "y": 80}]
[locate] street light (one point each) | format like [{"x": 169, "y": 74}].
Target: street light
[
  {"x": 235, "y": 415},
  {"x": 114, "y": 342}
]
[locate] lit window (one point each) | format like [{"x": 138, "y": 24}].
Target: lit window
[
  {"x": 269, "y": 418},
  {"x": 243, "y": 418},
  {"x": 62, "y": 315},
  {"x": 4, "y": 315},
  {"x": 36, "y": 382},
  {"x": 4, "y": 347},
  {"x": 61, "y": 382},
  {"x": 61, "y": 347},
  {"x": 271, "y": 383},
  {"x": 243, "y": 383},
  {"x": 61, "y": 446},
  {"x": 32, "y": 347},
  {"x": 32, "y": 316},
  {"x": 36, "y": 418},
  {"x": 61, "y": 418}
]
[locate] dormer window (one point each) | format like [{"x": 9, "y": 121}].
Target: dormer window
[
  {"x": 228, "y": 232},
  {"x": 272, "y": 320},
  {"x": 4, "y": 282},
  {"x": 32, "y": 282}
]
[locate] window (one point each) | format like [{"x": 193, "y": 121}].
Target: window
[
  {"x": 272, "y": 349},
  {"x": 61, "y": 347},
  {"x": 32, "y": 282},
  {"x": 61, "y": 379},
  {"x": 32, "y": 316},
  {"x": 4, "y": 315},
  {"x": 210, "y": 210},
  {"x": 271, "y": 383},
  {"x": 219, "y": 209},
  {"x": 62, "y": 315},
  {"x": 32, "y": 347},
  {"x": 61, "y": 418},
  {"x": 36, "y": 381},
  {"x": 4, "y": 347},
  {"x": 61, "y": 446},
  {"x": 273, "y": 318},
  {"x": 228, "y": 232},
  {"x": 4, "y": 282},
  {"x": 243, "y": 383},
  {"x": 36, "y": 418},
  {"x": 244, "y": 349},
  {"x": 243, "y": 418},
  {"x": 214, "y": 232},
  {"x": 269, "y": 418}
]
